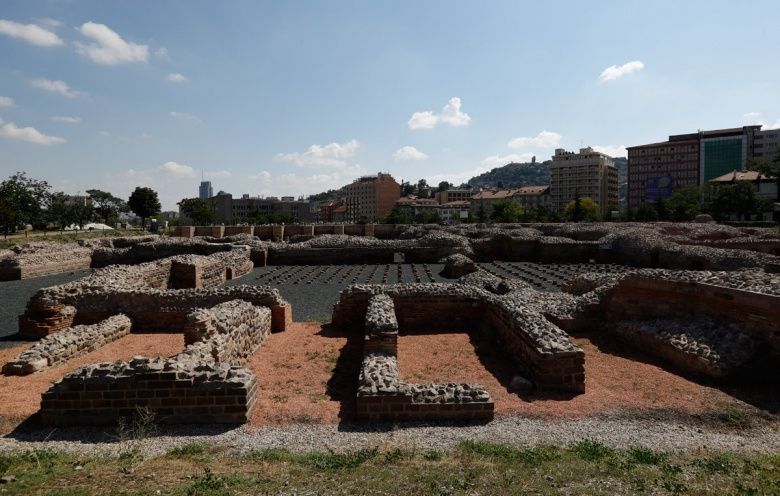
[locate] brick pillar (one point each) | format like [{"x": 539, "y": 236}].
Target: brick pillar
[
  {"x": 278, "y": 233},
  {"x": 308, "y": 229},
  {"x": 338, "y": 229},
  {"x": 369, "y": 230}
]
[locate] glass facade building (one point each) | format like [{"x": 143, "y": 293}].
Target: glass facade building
[{"x": 720, "y": 156}]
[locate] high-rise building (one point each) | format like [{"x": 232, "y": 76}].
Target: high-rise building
[
  {"x": 205, "y": 191},
  {"x": 585, "y": 174},
  {"x": 371, "y": 198},
  {"x": 766, "y": 144},
  {"x": 724, "y": 150}
]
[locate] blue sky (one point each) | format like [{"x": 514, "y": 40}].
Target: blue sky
[{"x": 292, "y": 98}]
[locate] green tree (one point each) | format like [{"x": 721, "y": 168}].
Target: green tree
[
  {"x": 646, "y": 213},
  {"x": 427, "y": 216},
  {"x": 58, "y": 211},
  {"x": 740, "y": 199},
  {"x": 80, "y": 210},
  {"x": 482, "y": 215},
  {"x": 22, "y": 200},
  {"x": 107, "y": 206},
  {"x": 581, "y": 209},
  {"x": 144, "y": 203},
  {"x": 407, "y": 188},
  {"x": 685, "y": 203},
  {"x": 200, "y": 211},
  {"x": 422, "y": 184},
  {"x": 444, "y": 186},
  {"x": 397, "y": 216},
  {"x": 506, "y": 210}
]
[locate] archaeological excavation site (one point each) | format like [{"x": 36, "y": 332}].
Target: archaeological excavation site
[{"x": 369, "y": 324}]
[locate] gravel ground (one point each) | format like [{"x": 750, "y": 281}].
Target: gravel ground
[
  {"x": 617, "y": 431},
  {"x": 14, "y": 296}
]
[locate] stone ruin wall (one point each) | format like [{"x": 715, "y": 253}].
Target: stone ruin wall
[
  {"x": 205, "y": 383},
  {"x": 383, "y": 396}
]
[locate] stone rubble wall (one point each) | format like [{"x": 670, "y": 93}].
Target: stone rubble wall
[
  {"x": 61, "y": 346},
  {"x": 42, "y": 258},
  {"x": 457, "y": 265},
  {"x": 203, "y": 384}
]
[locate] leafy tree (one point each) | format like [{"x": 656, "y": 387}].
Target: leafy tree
[
  {"x": 107, "y": 206},
  {"x": 740, "y": 199},
  {"x": 421, "y": 185},
  {"x": 506, "y": 211},
  {"x": 201, "y": 211},
  {"x": 427, "y": 216},
  {"x": 407, "y": 188},
  {"x": 397, "y": 216},
  {"x": 144, "y": 203},
  {"x": 685, "y": 203},
  {"x": 646, "y": 213},
  {"x": 482, "y": 215},
  {"x": 80, "y": 210},
  {"x": 444, "y": 186},
  {"x": 581, "y": 209},
  {"x": 21, "y": 201},
  {"x": 58, "y": 211},
  {"x": 661, "y": 210}
]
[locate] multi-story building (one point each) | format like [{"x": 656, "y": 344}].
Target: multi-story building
[
  {"x": 453, "y": 195},
  {"x": 413, "y": 206},
  {"x": 528, "y": 196},
  {"x": 237, "y": 210},
  {"x": 332, "y": 210},
  {"x": 371, "y": 198},
  {"x": 588, "y": 174},
  {"x": 657, "y": 169},
  {"x": 454, "y": 212},
  {"x": 205, "y": 191}
]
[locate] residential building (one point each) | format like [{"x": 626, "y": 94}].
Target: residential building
[
  {"x": 413, "y": 206},
  {"x": 371, "y": 198},
  {"x": 763, "y": 185},
  {"x": 453, "y": 195},
  {"x": 454, "y": 212},
  {"x": 529, "y": 196},
  {"x": 238, "y": 210},
  {"x": 586, "y": 173},
  {"x": 657, "y": 169},
  {"x": 205, "y": 191},
  {"x": 333, "y": 210}
]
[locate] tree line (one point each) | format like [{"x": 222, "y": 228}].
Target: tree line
[{"x": 27, "y": 201}]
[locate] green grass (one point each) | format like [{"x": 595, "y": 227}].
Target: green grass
[
  {"x": 67, "y": 237},
  {"x": 472, "y": 467}
]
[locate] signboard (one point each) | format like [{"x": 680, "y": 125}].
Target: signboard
[{"x": 657, "y": 188}]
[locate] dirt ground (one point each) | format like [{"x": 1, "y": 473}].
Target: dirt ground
[
  {"x": 20, "y": 396},
  {"x": 309, "y": 374}
]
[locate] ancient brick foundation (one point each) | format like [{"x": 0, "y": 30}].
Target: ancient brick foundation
[{"x": 203, "y": 384}]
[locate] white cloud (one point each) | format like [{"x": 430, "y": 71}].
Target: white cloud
[
  {"x": 177, "y": 169},
  {"x": 306, "y": 185},
  {"x": 615, "y": 72},
  {"x": 55, "y": 86},
  {"x": 612, "y": 150},
  {"x": 184, "y": 116},
  {"x": 219, "y": 173},
  {"x": 450, "y": 115},
  {"x": 6, "y": 101},
  {"x": 752, "y": 115},
  {"x": 545, "y": 139},
  {"x": 263, "y": 175},
  {"x": 175, "y": 77},
  {"x": 161, "y": 52},
  {"x": 11, "y": 131},
  {"x": 31, "y": 33},
  {"x": 409, "y": 153},
  {"x": 776, "y": 125},
  {"x": 107, "y": 47},
  {"x": 66, "y": 119},
  {"x": 330, "y": 155},
  {"x": 105, "y": 133},
  {"x": 48, "y": 21},
  {"x": 423, "y": 120},
  {"x": 501, "y": 160}
]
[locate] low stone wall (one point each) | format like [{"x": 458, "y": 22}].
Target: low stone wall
[
  {"x": 43, "y": 259},
  {"x": 233, "y": 230},
  {"x": 202, "y": 384},
  {"x": 215, "y": 231},
  {"x": 458, "y": 265},
  {"x": 515, "y": 319},
  {"x": 156, "y": 249},
  {"x": 69, "y": 343}
]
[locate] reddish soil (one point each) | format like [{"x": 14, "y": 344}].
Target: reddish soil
[
  {"x": 20, "y": 396},
  {"x": 612, "y": 382}
]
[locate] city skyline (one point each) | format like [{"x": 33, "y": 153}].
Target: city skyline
[{"x": 286, "y": 100}]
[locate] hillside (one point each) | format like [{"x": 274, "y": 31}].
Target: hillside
[{"x": 525, "y": 174}]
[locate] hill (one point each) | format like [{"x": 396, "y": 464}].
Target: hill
[{"x": 527, "y": 173}]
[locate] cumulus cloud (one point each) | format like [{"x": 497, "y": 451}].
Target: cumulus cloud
[
  {"x": 263, "y": 175},
  {"x": 161, "y": 52},
  {"x": 66, "y": 119},
  {"x": 618, "y": 71},
  {"x": 105, "y": 133},
  {"x": 184, "y": 116},
  {"x": 330, "y": 155},
  {"x": 752, "y": 115},
  {"x": 107, "y": 47},
  {"x": 409, "y": 153},
  {"x": 451, "y": 115},
  {"x": 612, "y": 150},
  {"x": 175, "y": 77},
  {"x": 219, "y": 173},
  {"x": 177, "y": 169},
  {"x": 500, "y": 160},
  {"x": 55, "y": 86},
  {"x": 545, "y": 139},
  {"x": 6, "y": 101},
  {"x": 11, "y": 131},
  {"x": 30, "y": 33},
  {"x": 316, "y": 183}
]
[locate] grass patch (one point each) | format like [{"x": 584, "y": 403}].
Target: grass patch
[
  {"x": 197, "y": 451},
  {"x": 338, "y": 461},
  {"x": 645, "y": 456},
  {"x": 533, "y": 456},
  {"x": 591, "y": 450}
]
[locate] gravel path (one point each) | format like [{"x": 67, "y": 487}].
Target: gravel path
[{"x": 517, "y": 431}]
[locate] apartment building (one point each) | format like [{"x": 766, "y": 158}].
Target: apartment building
[
  {"x": 528, "y": 196},
  {"x": 237, "y": 210},
  {"x": 586, "y": 173},
  {"x": 453, "y": 195},
  {"x": 657, "y": 169},
  {"x": 371, "y": 198}
]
